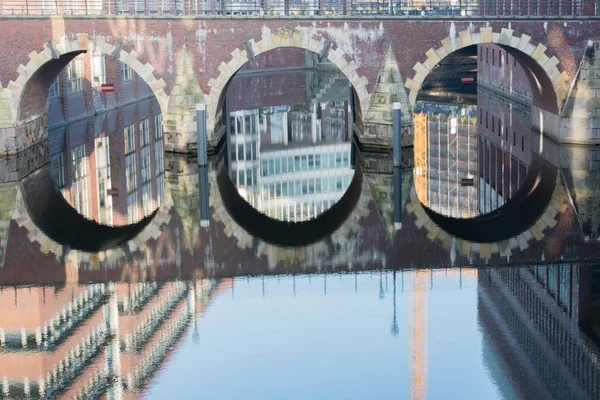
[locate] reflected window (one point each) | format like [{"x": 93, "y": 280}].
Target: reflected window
[
  {"x": 565, "y": 286},
  {"x": 125, "y": 72},
  {"x": 74, "y": 75},
  {"x": 54, "y": 91},
  {"x": 158, "y": 129},
  {"x": 130, "y": 174},
  {"x": 552, "y": 280},
  {"x": 129, "y": 139},
  {"x": 57, "y": 170},
  {"x": 98, "y": 69},
  {"x": 144, "y": 133},
  {"x": 103, "y": 180},
  {"x": 80, "y": 181}
]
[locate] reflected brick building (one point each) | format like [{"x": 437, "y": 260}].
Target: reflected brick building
[
  {"x": 532, "y": 317},
  {"x": 76, "y": 92},
  {"x": 83, "y": 341},
  {"x": 289, "y": 139},
  {"x": 504, "y": 103},
  {"x": 111, "y": 168}
]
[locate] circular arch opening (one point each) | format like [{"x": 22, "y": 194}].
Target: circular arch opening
[
  {"x": 284, "y": 38},
  {"x": 105, "y": 147},
  {"x": 479, "y": 173},
  {"x": 289, "y": 156}
]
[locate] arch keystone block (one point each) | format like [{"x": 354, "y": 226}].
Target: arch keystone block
[
  {"x": 434, "y": 56},
  {"x": 83, "y": 41},
  {"x": 486, "y": 34},
  {"x": 537, "y": 53},
  {"x": 447, "y": 45},
  {"x": 465, "y": 37},
  {"x": 505, "y": 36},
  {"x": 523, "y": 42}
]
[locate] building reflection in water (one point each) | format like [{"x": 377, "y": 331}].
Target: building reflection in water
[
  {"x": 537, "y": 323},
  {"x": 289, "y": 150},
  {"x": 111, "y": 168},
  {"x": 471, "y": 159},
  {"x": 533, "y": 319},
  {"x": 83, "y": 341}
]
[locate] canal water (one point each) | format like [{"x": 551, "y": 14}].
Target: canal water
[{"x": 302, "y": 263}]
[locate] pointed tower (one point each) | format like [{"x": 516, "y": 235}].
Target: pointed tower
[{"x": 388, "y": 89}]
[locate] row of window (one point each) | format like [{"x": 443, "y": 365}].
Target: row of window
[
  {"x": 307, "y": 186},
  {"x": 501, "y": 59},
  {"x": 75, "y": 74},
  {"x": 498, "y": 128},
  {"x": 297, "y": 212},
  {"x": 245, "y": 151},
  {"x": 305, "y": 162}
]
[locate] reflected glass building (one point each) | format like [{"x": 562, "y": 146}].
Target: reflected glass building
[{"x": 289, "y": 150}]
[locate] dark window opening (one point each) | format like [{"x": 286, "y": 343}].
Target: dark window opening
[
  {"x": 493, "y": 56},
  {"x": 486, "y": 120},
  {"x": 514, "y": 138},
  {"x": 493, "y": 123},
  {"x": 522, "y": 143},
  {"x": 487, "y": 55}
]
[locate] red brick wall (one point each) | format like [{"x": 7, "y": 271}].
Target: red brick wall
[
  {"x": 497, "y": 65},
  {"x": 149, "y": 39},
  {"x": 247, "y": 92},
  {"x": 284, "y": 57}
]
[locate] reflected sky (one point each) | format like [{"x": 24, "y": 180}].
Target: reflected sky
[{"x": 290, "y": 156}]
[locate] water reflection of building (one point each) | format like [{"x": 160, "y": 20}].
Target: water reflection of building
[
  {"x": 534, "y": 315},
  {"x": 504, "y": 150},
  {"x": 289, "y": 151},
  {"x": 450, "y": 151},
  {"x": 88, "y": 340},
  {"x": 471, "y": 160},
  {"x": 76, "y": 93},
  {"x": 111, "y": 168}
]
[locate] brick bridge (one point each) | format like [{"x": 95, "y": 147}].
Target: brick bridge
[{"x": 189, "y": 60}]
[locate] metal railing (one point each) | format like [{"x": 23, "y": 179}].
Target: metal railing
[{"x": 307, "y": 8}]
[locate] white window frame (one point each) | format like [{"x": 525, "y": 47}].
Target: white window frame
[
  {"x": 126, "y": 75},
  {"x": 129, "y": 136},
  {"x": 54, "y": 90},
  {"x": 74, "y": 76}
]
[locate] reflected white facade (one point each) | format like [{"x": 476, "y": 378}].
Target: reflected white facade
[{"x": 288, "y": 163}]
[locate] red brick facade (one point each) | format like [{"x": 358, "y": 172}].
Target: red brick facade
[{"x": 160, "y": 41}]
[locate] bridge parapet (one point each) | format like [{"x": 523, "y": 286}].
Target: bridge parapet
[{"x": 322, "y": 8}]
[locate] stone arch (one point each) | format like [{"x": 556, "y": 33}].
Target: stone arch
[
  {"x": 284, "y": 37},
  {"x": 308, "y": 254},
  {"x": 519, "y": 241},
  {"x": 27, "y": 74},
  {"x": 539, "y": 63}
]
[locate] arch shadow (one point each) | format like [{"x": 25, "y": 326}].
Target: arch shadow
[
  {"x": 56, "y": 218},
  {"x": 517, "y": 215}
]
